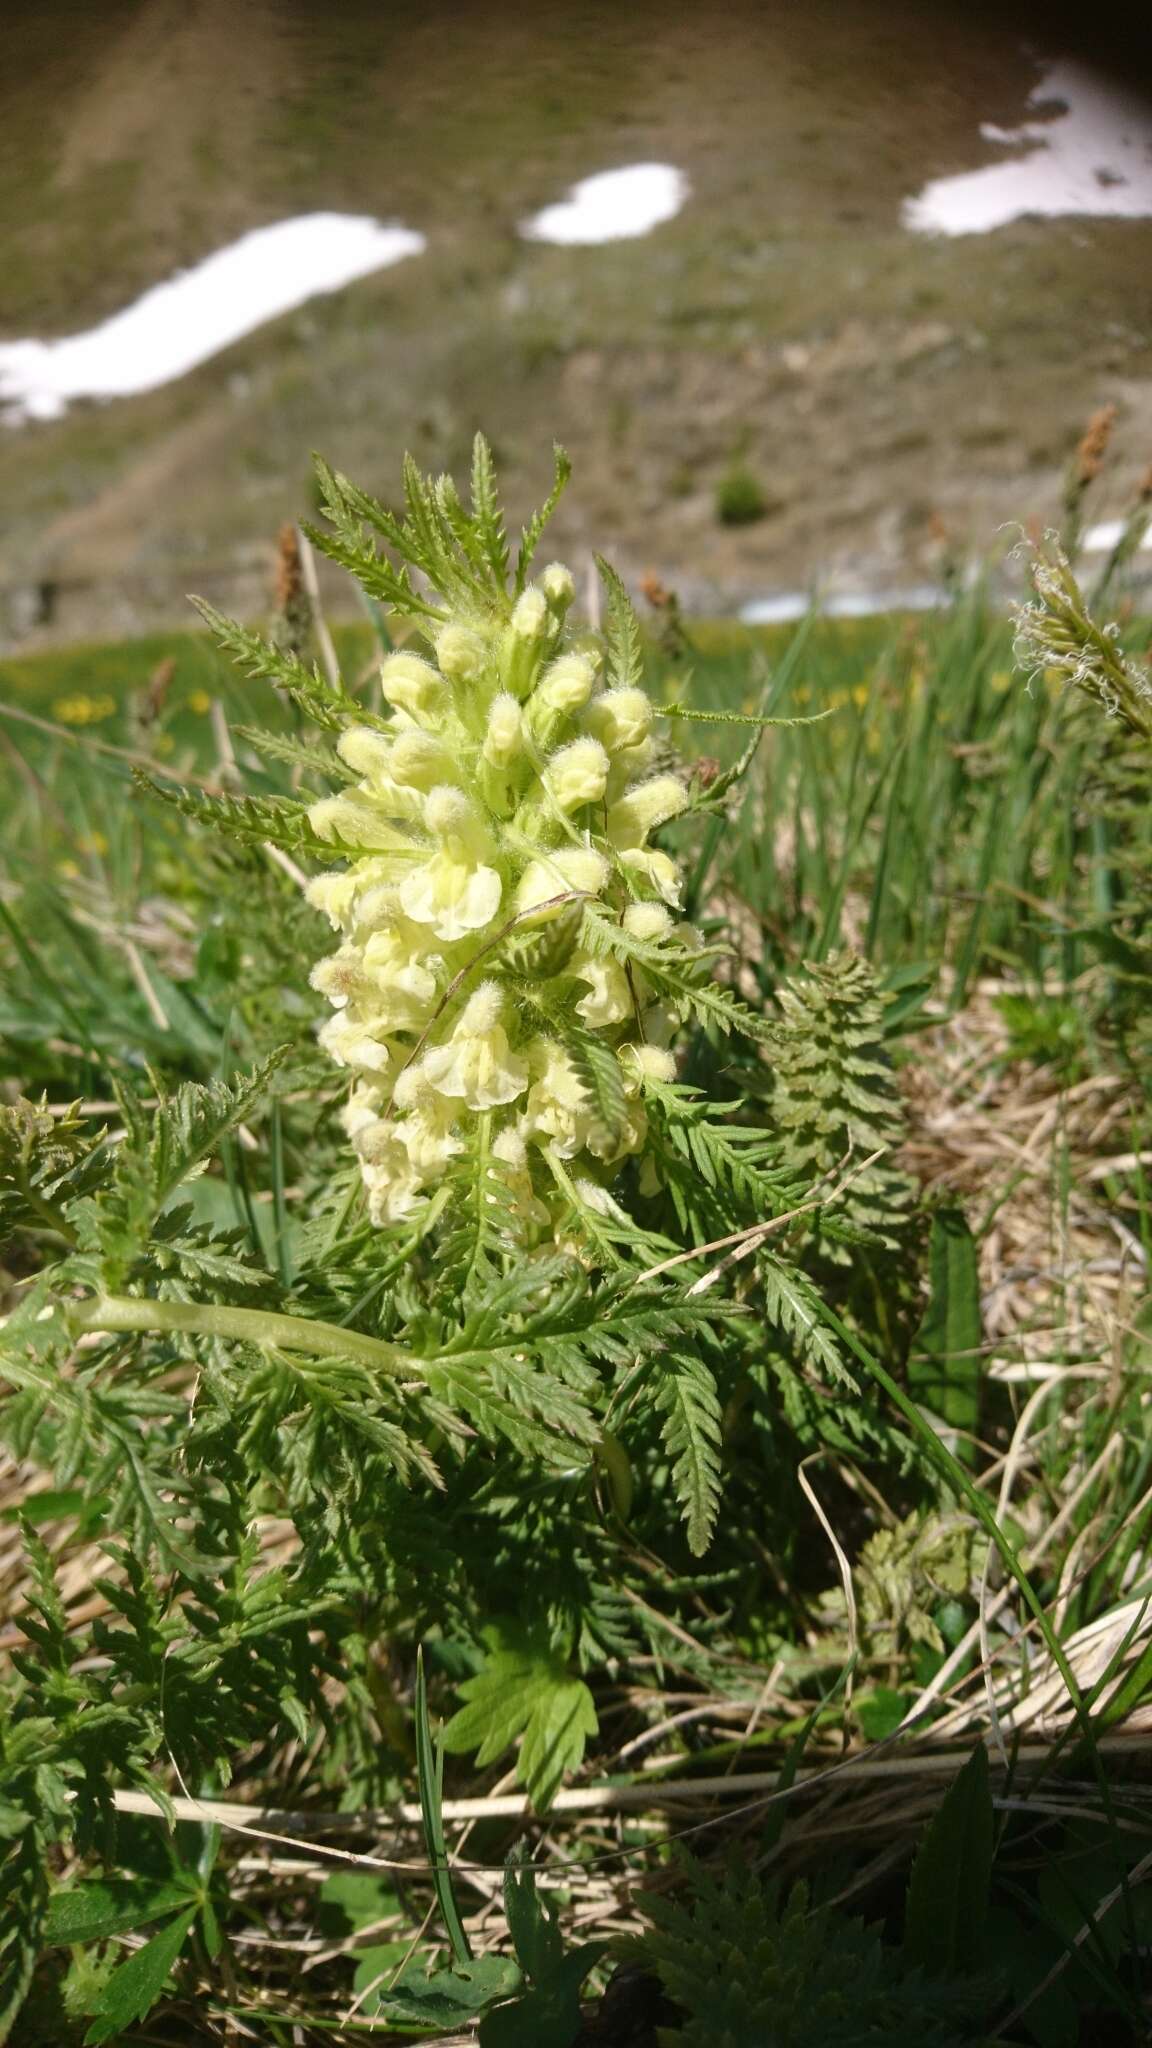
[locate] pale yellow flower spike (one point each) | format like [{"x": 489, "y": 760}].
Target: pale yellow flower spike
[{"x": 496, "y": 827}]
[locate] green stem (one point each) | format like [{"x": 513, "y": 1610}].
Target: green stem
[
  {"x": 48, "y": 1213},
  {"x": 249, "y": 1325}
]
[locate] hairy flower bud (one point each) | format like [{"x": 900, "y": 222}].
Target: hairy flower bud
[
  {"x": 650, "y": 804},
  {"x": 577, "y": 775},
  {"x": 647, "y": 921},
  {"x": 504, "y": 738},
  {"x": 620, "y": 718},
  {"x": 461, "y": 654},
  {"x": 413, "y": 685},
  {"x": 419, "y": 761},
  {"x": 566, "y": 683},
  {"x": 558, "y": 585},
  {"x": 569, "y": 868}
]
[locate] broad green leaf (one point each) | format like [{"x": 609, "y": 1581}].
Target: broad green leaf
[
  {"x": 377, "y": 1965},
  {"x": 103, "y": 1906},
  {"x": 548, "y": 2016},
  {"x": 526, "y": 1690},
  {"x": 532, "y": 1925},
  {"x": 450, "y": 1998},
  {"x": 945, "y": 1368},
  {"x": 351, "y": 1899},
  {"x": 133, "y": 1989},
  {"x": 948, "y": 1891}
]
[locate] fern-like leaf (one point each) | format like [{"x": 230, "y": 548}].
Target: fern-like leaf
[
  {"x": 687, "y": 1399},
  {"x": 530, "y": 537},
  {"x": 325, "y": 703},
  {"x": 254, "y": 820},
  {"x": 624, "y": 664},
  {"x": 487, "y": 514},
  {"x": 792, "y": 1305}
]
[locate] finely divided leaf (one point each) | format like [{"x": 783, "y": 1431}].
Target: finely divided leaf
[
  {"x": 793, "y": 1305},
  {"x": 255, "y": 820},
  {"x": 687, "y": 1398},
  {"x": 624, "y": 667},
  {"x": 598, "y": 1071},
  {"x": 530, "y": 536}
]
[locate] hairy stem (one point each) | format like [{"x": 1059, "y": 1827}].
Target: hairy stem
[{"x": 249, "y": 1325}]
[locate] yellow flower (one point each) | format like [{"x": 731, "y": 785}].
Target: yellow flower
[
  {"x": 477, "y": 1064},
  {"x": 609, "y": 1000},
  {"x": 354, "y": 821},
  {"x": 505, "y": 782},
  {"x": 569, "y": 869},
  {"x": 647, "y": 921},
  {"x": 456, "y": 892},
  {"x": 657, "y": 868},
  {"x": 559, "y": 1113},
  {"x": 558, "y": 586},
  {"x": 428, "y": 1129},
  {"x": 383, "y": 982},
  {"x": 352, "y": 1043},
  {"x": 199, "y": 701},
  {"x": 566, "y": 683},
  {"x": 504, "y": 739},
  {"x": 461, "y": 654},
  {"x": 80, "y": 709},
  {"x": 643, "y": 1063}
]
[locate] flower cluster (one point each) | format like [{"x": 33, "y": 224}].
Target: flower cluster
[{"x": 499, "y": 901}]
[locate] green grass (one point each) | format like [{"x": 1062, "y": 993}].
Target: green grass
[{"x": 950, "y": 823}]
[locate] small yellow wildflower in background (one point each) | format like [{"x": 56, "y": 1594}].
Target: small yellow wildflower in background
[
  {"x": 79, "y": 709},
  {"x": 199, "y": 701}
]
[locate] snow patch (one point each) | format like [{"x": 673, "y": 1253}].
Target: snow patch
[
  {"x": 784, "y": 606},
  {"x": 612, "y": 206},
  {"x": 183, "y": 322},
  {"x": 1094, "y": 156},
  {"x": 1108, "y": 534}
]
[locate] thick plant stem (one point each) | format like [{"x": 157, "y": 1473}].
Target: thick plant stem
[{"x": 250, "y": 1325}]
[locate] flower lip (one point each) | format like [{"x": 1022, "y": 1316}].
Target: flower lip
[{"x": 645, "y": 807}]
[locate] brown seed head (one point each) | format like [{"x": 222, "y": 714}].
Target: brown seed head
[
  {"x": 1094, "y": 443},
  {"x": 289, "y": 576}
]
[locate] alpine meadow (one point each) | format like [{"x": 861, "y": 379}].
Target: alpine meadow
[{"x": 574, "y": 1374}]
